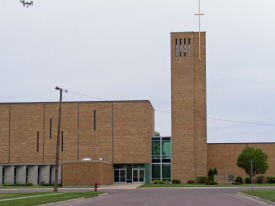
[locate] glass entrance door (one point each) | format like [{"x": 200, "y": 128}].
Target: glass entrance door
[
  {"x": 119, "y": 175},
  {"x": 138, "y": 175}
]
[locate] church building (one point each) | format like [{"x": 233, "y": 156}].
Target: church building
[{"x": 113, "y": 141}]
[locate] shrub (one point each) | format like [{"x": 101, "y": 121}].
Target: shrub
[
  {"x": 160, "y": 182},
  {"x": 209, "y": 180},
  {"x": 201, "y": 179},
  {"x": 5, "y": 185},
  {"x": 236, "y": 183},
  {"x": 260, "y": 179},
  {"x": 212, "y": 183},
  {"x": 28, "y": 184},
  {"x": 190, "y": 182},
  {"x": 210, "y": 173},
  {"x": 59, "y": 185},
  {"x": 239, "y": 180},
  {"x": 175, "y": 181},
  {"x": 271, "y": 179},
  {"x": 156, "y": 181},
  {"x": 166, "y": 181},
  {"x": 215, "y": 172},
  {"x": 248, "y": 180}
]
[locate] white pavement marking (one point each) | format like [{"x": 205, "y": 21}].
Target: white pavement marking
[{"x": 27, "y": 197}]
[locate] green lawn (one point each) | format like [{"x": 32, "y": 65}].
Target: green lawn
[
  {"x": 265, "y": 194},
  {"x": 202, "y": 185},
  {"x": 56, "y": 197},
  {"x": 37, "y": 187}
]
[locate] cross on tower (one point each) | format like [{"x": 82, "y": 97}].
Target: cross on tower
[{"x": 199, "y": 29}]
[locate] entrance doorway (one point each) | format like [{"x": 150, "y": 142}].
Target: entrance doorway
[
  {"x": 138, "y": 175},
  {"x": 119, "y": 175}
]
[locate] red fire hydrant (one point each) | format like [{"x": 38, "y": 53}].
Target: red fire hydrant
[{"x": 96, "y": 186}]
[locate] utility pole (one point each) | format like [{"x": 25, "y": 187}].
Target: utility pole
[{"x": 58, "y": 140}]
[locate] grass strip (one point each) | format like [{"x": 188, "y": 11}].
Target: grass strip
[
  {"x": 45, "y": 199},
  {"x": 202, "y": 185},
  {"x": 17, "y": 195},
  {"x": 38, "y": 187},
  {"x": 264, "y": 194},
  {"x": 27, "y": 187}
]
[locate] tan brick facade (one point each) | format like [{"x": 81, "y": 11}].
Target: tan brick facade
[
  {"x": 223, "y": 157},
  {"x": 188, "y": 91},
  {"x": 118, "y": 132},
  {"x": 87, "y": 173}
]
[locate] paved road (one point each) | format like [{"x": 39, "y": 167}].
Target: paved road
[
  {"x": 173, "y": 197},
  {"x": 151, "y": 197}
]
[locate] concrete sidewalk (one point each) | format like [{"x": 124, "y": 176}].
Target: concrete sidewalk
[{"x": 119, "y": 186}]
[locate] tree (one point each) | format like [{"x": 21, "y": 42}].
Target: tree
[
  {"x": 157, "y": 134},
  {"x": 26, "y": 3},
  {"x": 210, "y": 173},
  {"x": 215, "y": 172},
  {"x": 260, "y": 161}
]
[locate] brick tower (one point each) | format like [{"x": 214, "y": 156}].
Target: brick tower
[{"x": 188, "y": 91}]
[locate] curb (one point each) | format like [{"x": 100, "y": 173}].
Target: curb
[
  {"x": 63, "y": 202},
  {"x": 70, "y": 201},
  {"x": 255, "y": 198}
]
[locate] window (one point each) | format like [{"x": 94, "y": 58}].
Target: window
[
  {"x": 62, "y": 141},
  {"x": 3, "y": 175},
  {"x": 184, "y": 47},
  {"x": 50, "y": 128},
  {"x": 166, "y": 172},
  {"x": 176, "y": 48},
  {"x": 27, "y": 171},
  {"x": 14, "y": 180},
  {"x": 94, "y": 119},
  {"x": 37, "y": 142},
  {"x": 161, "y": 158},
  {"x": 38, "y": 175},
  {"x": 156, "y": 171},
  {"x": 180, "y": 48},
  {"x": 189, "y": 47}
]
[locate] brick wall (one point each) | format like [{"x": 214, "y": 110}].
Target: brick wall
[
  {"x": 108, "y": 130},
  {"x": 132, "y": 132},
  {"x": 4, "y": 134},
  {"x": 224, "y": 157},
  {"x": 87, "y": 173}
]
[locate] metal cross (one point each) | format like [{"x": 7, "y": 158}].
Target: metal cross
[{"x": 199, "y": 29}]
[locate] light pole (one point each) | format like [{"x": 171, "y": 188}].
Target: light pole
[
  {"x": 58, "y": 139},
  {"x": 251, "y": 161}
]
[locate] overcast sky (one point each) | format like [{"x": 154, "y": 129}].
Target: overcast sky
[{"x": 120, "y": 50}]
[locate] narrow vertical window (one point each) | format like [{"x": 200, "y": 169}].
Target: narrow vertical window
[
  {"x": 3, "y": 175},
  {"x": 62, "y": 141},
  {"x": 94, "y": 120},
  {"x": 180, "y": 48},
  {"x": 14, "y": 176},
  {"x": 37, "y": 142},
  {"x": 38, "y": 175},
  {"x": 27, "y": 173},
  {"x": 50, "y": 128},
  {"x": 184, "y": 47},
  {"x": 189, "y": 47},
  {"x": 176, "y": 47}
]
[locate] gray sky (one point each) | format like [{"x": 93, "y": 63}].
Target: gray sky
[{"x": 120, "y": 50}]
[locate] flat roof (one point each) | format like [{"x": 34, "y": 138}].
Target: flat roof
[
  {"x": 76, "y": 102},
  {"x": 187, "y": 32}
]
